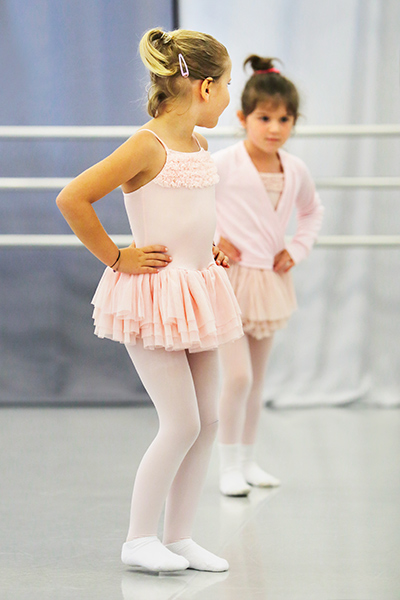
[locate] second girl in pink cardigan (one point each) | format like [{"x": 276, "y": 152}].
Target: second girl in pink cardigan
[{"x": 260, "y": 186}]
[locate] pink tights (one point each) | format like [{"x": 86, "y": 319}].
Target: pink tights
[
  {"x": 244, "y": 364},
  {"x": 184, "y": 390}
]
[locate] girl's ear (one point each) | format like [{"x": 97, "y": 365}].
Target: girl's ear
[
  {"x": 241, "y": 117},
  {"x": 205, "y": 88}
]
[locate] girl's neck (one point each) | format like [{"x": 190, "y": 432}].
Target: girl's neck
[
  {"x": 176, "y": 129},
  {"x": 263, "y": 161}
]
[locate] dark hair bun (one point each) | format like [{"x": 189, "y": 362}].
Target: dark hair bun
[{"x": 258, "y": 63}]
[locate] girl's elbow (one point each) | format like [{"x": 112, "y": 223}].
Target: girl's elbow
[
  {"x": 64, "y": 202},
  {"x": 61, "y": 201}
]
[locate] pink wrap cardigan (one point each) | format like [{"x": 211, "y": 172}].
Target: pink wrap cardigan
[{"x": 246, "y": 216}]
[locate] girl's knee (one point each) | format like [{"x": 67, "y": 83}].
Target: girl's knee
[
  {"x": 209, "y": 431},
  {"x": 188, "y": 432},
  {"x": 240, "y": 381}
]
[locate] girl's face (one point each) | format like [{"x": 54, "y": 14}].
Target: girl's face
[{"x": 268, "y": 127}]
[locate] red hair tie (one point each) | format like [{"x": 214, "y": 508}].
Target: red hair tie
[{"x": 272, "y": 70}]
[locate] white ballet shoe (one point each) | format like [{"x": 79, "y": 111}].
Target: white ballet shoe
[
  {"x": 232, "y": 483},
  {"x": 253, "y": 474},
  {"x": 231, "y": 480},
  {"x": 149, "y": 553},
  {"x": 256, "y": 476},
  {"x": 199, "y": 558}
]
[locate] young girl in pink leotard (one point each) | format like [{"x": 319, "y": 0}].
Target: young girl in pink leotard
[
  {"x": 167, "y": 296},
  {"x": 260, "y": 186}
]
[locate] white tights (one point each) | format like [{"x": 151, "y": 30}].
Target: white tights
[
  {"x": 184, "y": 390},
  {"x": 244, "y": 364}
]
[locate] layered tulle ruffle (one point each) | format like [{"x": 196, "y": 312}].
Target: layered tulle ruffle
[
  {"x": 266, "y": 299},
  {"x": 174, "y": 309}
]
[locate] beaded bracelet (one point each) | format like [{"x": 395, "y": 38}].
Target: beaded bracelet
[{"x": 118, "y": 257}]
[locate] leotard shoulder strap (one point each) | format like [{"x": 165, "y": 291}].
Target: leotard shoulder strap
[
  {"x": 159, "y": 139},
  {"x": 165, "y": 145},
  {"x": 198, "y": 143}
]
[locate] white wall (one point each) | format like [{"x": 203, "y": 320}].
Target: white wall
[{"x": 343, "y": 55}]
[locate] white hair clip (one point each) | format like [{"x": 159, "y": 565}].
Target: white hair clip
[{"x": 183, "y": 66}]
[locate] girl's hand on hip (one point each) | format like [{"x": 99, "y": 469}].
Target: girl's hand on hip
[
  {"x": 149, "y": 259},
  {"x": 283, "y": 262},
  {"x": 229, "y": 249},
  {"x": 220, "y": 257}
]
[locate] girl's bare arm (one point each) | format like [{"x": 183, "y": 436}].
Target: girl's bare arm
[{"x": 133, "y": 164}]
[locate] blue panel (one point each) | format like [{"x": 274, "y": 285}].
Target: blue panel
[{"x": 65, "y": 63}]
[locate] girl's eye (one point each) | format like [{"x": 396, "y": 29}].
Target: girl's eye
[
  {"x": 285, "y": 119},
  {"x": 265, "y": 119}
]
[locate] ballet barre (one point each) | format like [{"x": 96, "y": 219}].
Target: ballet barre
[
  {"x": 95, "y": 132},
  {"x": 57, "y": 183},
  {"x": 71, "y": 241}
]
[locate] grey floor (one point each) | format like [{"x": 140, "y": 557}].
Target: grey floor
[{"x": 331, "y": 532}]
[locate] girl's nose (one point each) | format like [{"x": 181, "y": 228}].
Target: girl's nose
[{"x": 274, "y": 125}]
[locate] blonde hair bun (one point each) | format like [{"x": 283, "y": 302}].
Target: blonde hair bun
[
  {"x": 156, "y": 52},
  {"x": 160, "y": 50}
]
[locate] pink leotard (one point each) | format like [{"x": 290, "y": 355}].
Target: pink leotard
[{"x": 190, "y": 303}]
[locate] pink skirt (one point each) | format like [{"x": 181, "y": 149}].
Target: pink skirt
[
  {"x": 175, "y": 309},
  {"x": 266, "y": 299}
]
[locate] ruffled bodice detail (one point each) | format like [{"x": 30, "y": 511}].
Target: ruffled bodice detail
[
  {"x": 273, "y": 182},
  {"x": 188, "y": 170}
]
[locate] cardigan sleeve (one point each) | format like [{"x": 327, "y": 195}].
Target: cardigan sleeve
[{"x": 309, "y": 218}]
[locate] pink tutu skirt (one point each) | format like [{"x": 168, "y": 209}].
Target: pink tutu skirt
[
  {"x": 175, "y": 309},
  {"x": 266, "y": 299}
]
